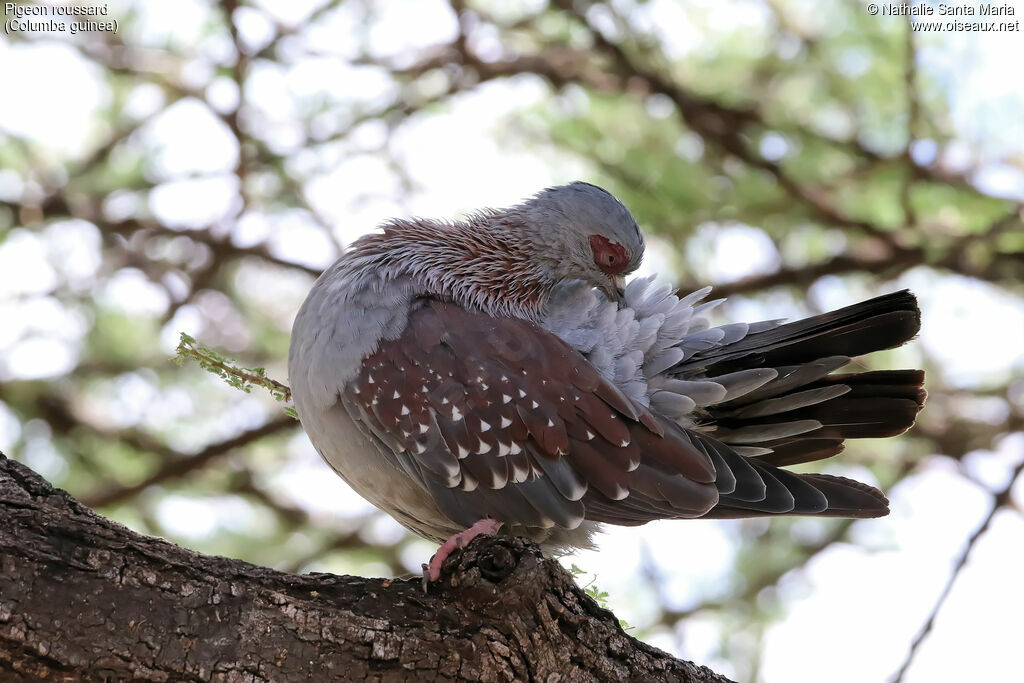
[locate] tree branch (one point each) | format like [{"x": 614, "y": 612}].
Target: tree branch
[
  {"x": 84, "y": 598},
  {"x": 182, "y": 464},
  {"x": 1000, "y": 500}
]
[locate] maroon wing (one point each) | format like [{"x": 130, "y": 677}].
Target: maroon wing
[{"x": 498, "y": 417}]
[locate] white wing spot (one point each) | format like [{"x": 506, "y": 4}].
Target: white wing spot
[
  {"x": 551, "y": 423},
  {"x": 590, "y": 435},
  {"x": 463, "y": 451},
  {"x": 515, "y": 449},
  {"x": 396, "y": 394},
  {"x": 405, "y": 410},
  {"x": 624, "y": 443},
  {"x": 505, "y": 422},
  {"x": 484, "y": 426},
  {"x": 519, "y": 474},
  {"x": 522, "y": 394},
  {"x": 484, "y": 447},
  {"x": 503, "y": 450},
  {"x": 456, "y": 414},
  {"x": 534, "y": 404},
  {"x": 424, "y": 428},
  {"x": 505, "y": 398},
  {"x": 444, "y": 401},
  {"x": 369, "y": 378}
]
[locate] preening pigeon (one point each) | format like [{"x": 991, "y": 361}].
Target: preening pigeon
[{"x": 496, "y": 371}]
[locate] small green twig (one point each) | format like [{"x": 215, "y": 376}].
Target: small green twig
[
  {"x": 599, "y": 596},
  {"x": 238, "y": 377}
]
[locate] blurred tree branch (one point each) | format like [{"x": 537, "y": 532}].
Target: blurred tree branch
[
  {"x": 180, "y": 464},
  {"x": 1000, "y": 501}
]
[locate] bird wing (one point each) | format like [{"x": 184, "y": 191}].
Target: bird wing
[{"x": 499, "y": 417}]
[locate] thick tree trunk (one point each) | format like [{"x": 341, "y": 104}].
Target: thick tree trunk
[{"x": 85, "y": 599}]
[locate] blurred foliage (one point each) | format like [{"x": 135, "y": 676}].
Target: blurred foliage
[{"x": 234, "y": 149}]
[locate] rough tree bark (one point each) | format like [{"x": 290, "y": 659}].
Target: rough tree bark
[{"x": 83, "y": 598}]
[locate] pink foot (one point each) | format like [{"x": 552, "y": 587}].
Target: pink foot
[{"x": 486, "y": 527}]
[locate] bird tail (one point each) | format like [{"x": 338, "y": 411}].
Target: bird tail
[{"x": 805, "y": 413}]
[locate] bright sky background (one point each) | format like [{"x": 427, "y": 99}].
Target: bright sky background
[{"x": 460, "y": 159}]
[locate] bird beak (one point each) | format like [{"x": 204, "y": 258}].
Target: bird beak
[{"x": 615, "y": 289}]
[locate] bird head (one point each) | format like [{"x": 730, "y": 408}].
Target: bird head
[
  {"x": 507, "y": 261},
  {"x": 581, "y": 232}
]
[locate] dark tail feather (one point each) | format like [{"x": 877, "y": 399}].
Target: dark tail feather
[
  {"x": 805, "y": 413},
  {"x": 884, "y": 322},
  {"x": 799, "y": 451},
  {"x": 867, "y": 405},
  {"x": 849, "y": 498},
  {"x": 811, "y": 422},
  {"x": 845, "y": 498}
]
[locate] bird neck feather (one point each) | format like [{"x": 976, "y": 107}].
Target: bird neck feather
[{"x": 480, "y": 263}]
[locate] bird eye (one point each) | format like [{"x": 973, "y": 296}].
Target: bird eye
[{"x": 609, "y": 256}]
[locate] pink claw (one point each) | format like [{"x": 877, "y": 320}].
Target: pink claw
[{"x": 486, "y": 527}]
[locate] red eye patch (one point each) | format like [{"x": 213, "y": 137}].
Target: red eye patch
[{"x": 609, "y": 256}]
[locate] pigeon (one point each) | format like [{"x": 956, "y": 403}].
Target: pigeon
[{"x": 498, "y": 375}]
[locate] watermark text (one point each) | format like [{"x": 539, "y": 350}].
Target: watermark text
[{"x": 71, "y": 19}]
